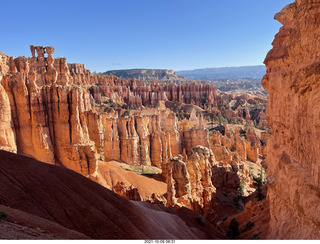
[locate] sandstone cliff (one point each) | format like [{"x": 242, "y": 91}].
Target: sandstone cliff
[
  {"x": 293, "y": 113},
  {"x": 48, "y": 113}
]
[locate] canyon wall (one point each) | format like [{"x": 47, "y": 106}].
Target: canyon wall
[
  {"x": 293, "y": 113},
  {"x": 54, "y": 112},
  {"x": 62, "y": 114}
]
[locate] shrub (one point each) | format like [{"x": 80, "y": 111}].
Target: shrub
[
  {"x": 240, "y": 190},
  {"x": 126, "y": 114},
  {"x": 259, "y": 181},
  {"x": 3, "y": 215},
  {"x": 265, "y": 140},
  {"x": 233, "y": 230},
  {"x": 223, "y": 120},
  {"x": 200, "y": 220}
]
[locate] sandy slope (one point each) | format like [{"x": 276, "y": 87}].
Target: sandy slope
[
  {"x": 76, "y": 203},
  {"x": 110, "y": 173}
]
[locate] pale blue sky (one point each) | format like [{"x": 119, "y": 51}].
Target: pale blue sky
[{"x": 121, "y": 34}]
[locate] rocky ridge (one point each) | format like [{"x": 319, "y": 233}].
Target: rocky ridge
[{"x": 147, "y": 74}]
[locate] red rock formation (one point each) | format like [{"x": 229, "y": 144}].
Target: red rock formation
[
  {"x": 130, "y": 192},
  {"x": 7, "y": 135},
  {"x": 253, "y": 145},
  {"x": 189, "y": 183},
  {"x": 262, "y": 121},
  {"x": 126, "y": 181},
  {"x": 137, "y": 93},
  {"x": 241, "y": 107},
  {"x": 54, "y": 118},
  {"x": 193, "y": 133},
  {"x": 66, "y": 201},
  {"x": 49, "y": 120},
  {"x": 230, "y": 153},
  {"x": 57, "y": 113},
  {"x": 292, "y": 81},
  {"x": 141, "y": 139}
]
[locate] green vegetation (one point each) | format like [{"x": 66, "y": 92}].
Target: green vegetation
[
  {"x": 248, "y": 126},
  {"x": 240, "y": 193},
  {"x": 243, "y": 133},
  {"x": 237, "y": 122},
  {"x": 180, "y": 117},
  {"x": 204, "y": 100},
  {"x": 132, "y": 107},
  {"x": 176, "y": 108},
  {"x": 233, "y": 230},
  {"x": 142, "y": 169},
  {"x": 240, "y": 190},
  {"x": 226, "y": 105},
  {"x": 97, "y": 73},
  {"x": 265, "y": 140},
  {"x": 126, "y": 114},
  {"x": 98, "y": 107},
  {"x": 200, "y": 220},
  {"x": 3, "y": 215},
  {"x": 223, "y": 120},
  {"x": 259, "y": 181}
]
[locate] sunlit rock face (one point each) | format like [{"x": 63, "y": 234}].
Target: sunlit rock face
[
  {"x": 47, "y": 113},
  {"x": 293, "y": 113},
  {"x": 62, "y": 114},
  {"x": 189, "y": 182}
]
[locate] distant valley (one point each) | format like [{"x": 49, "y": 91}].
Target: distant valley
[
  {"x": 146, "y": 74},
  {"x": 224, "y": 79},
  {"x": 249, "y": 72}
]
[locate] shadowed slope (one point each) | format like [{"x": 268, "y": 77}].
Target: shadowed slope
[{"x": 74, "y": 202}]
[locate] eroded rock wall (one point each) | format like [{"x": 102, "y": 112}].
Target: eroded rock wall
[
  {"x": 48, "y": 116},
  {"x": 141, "y": 139},
  {"x": 49, "y": 112},
  {"x": 293, "y": 113},
  {"x": 190, "y": 184}
]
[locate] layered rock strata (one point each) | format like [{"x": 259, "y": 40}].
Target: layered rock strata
[
  {"x": 48, "y": 114},
  {"x": 189, "y": 182},
  {"x": 293, "y": 113},
  {"x": 51, "y": 111},
  {"x": 226, "y": 146}
]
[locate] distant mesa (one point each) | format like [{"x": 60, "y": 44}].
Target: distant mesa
[
  {"x": 242, "y": 72},
  {"x": 147, "y": 74}
]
